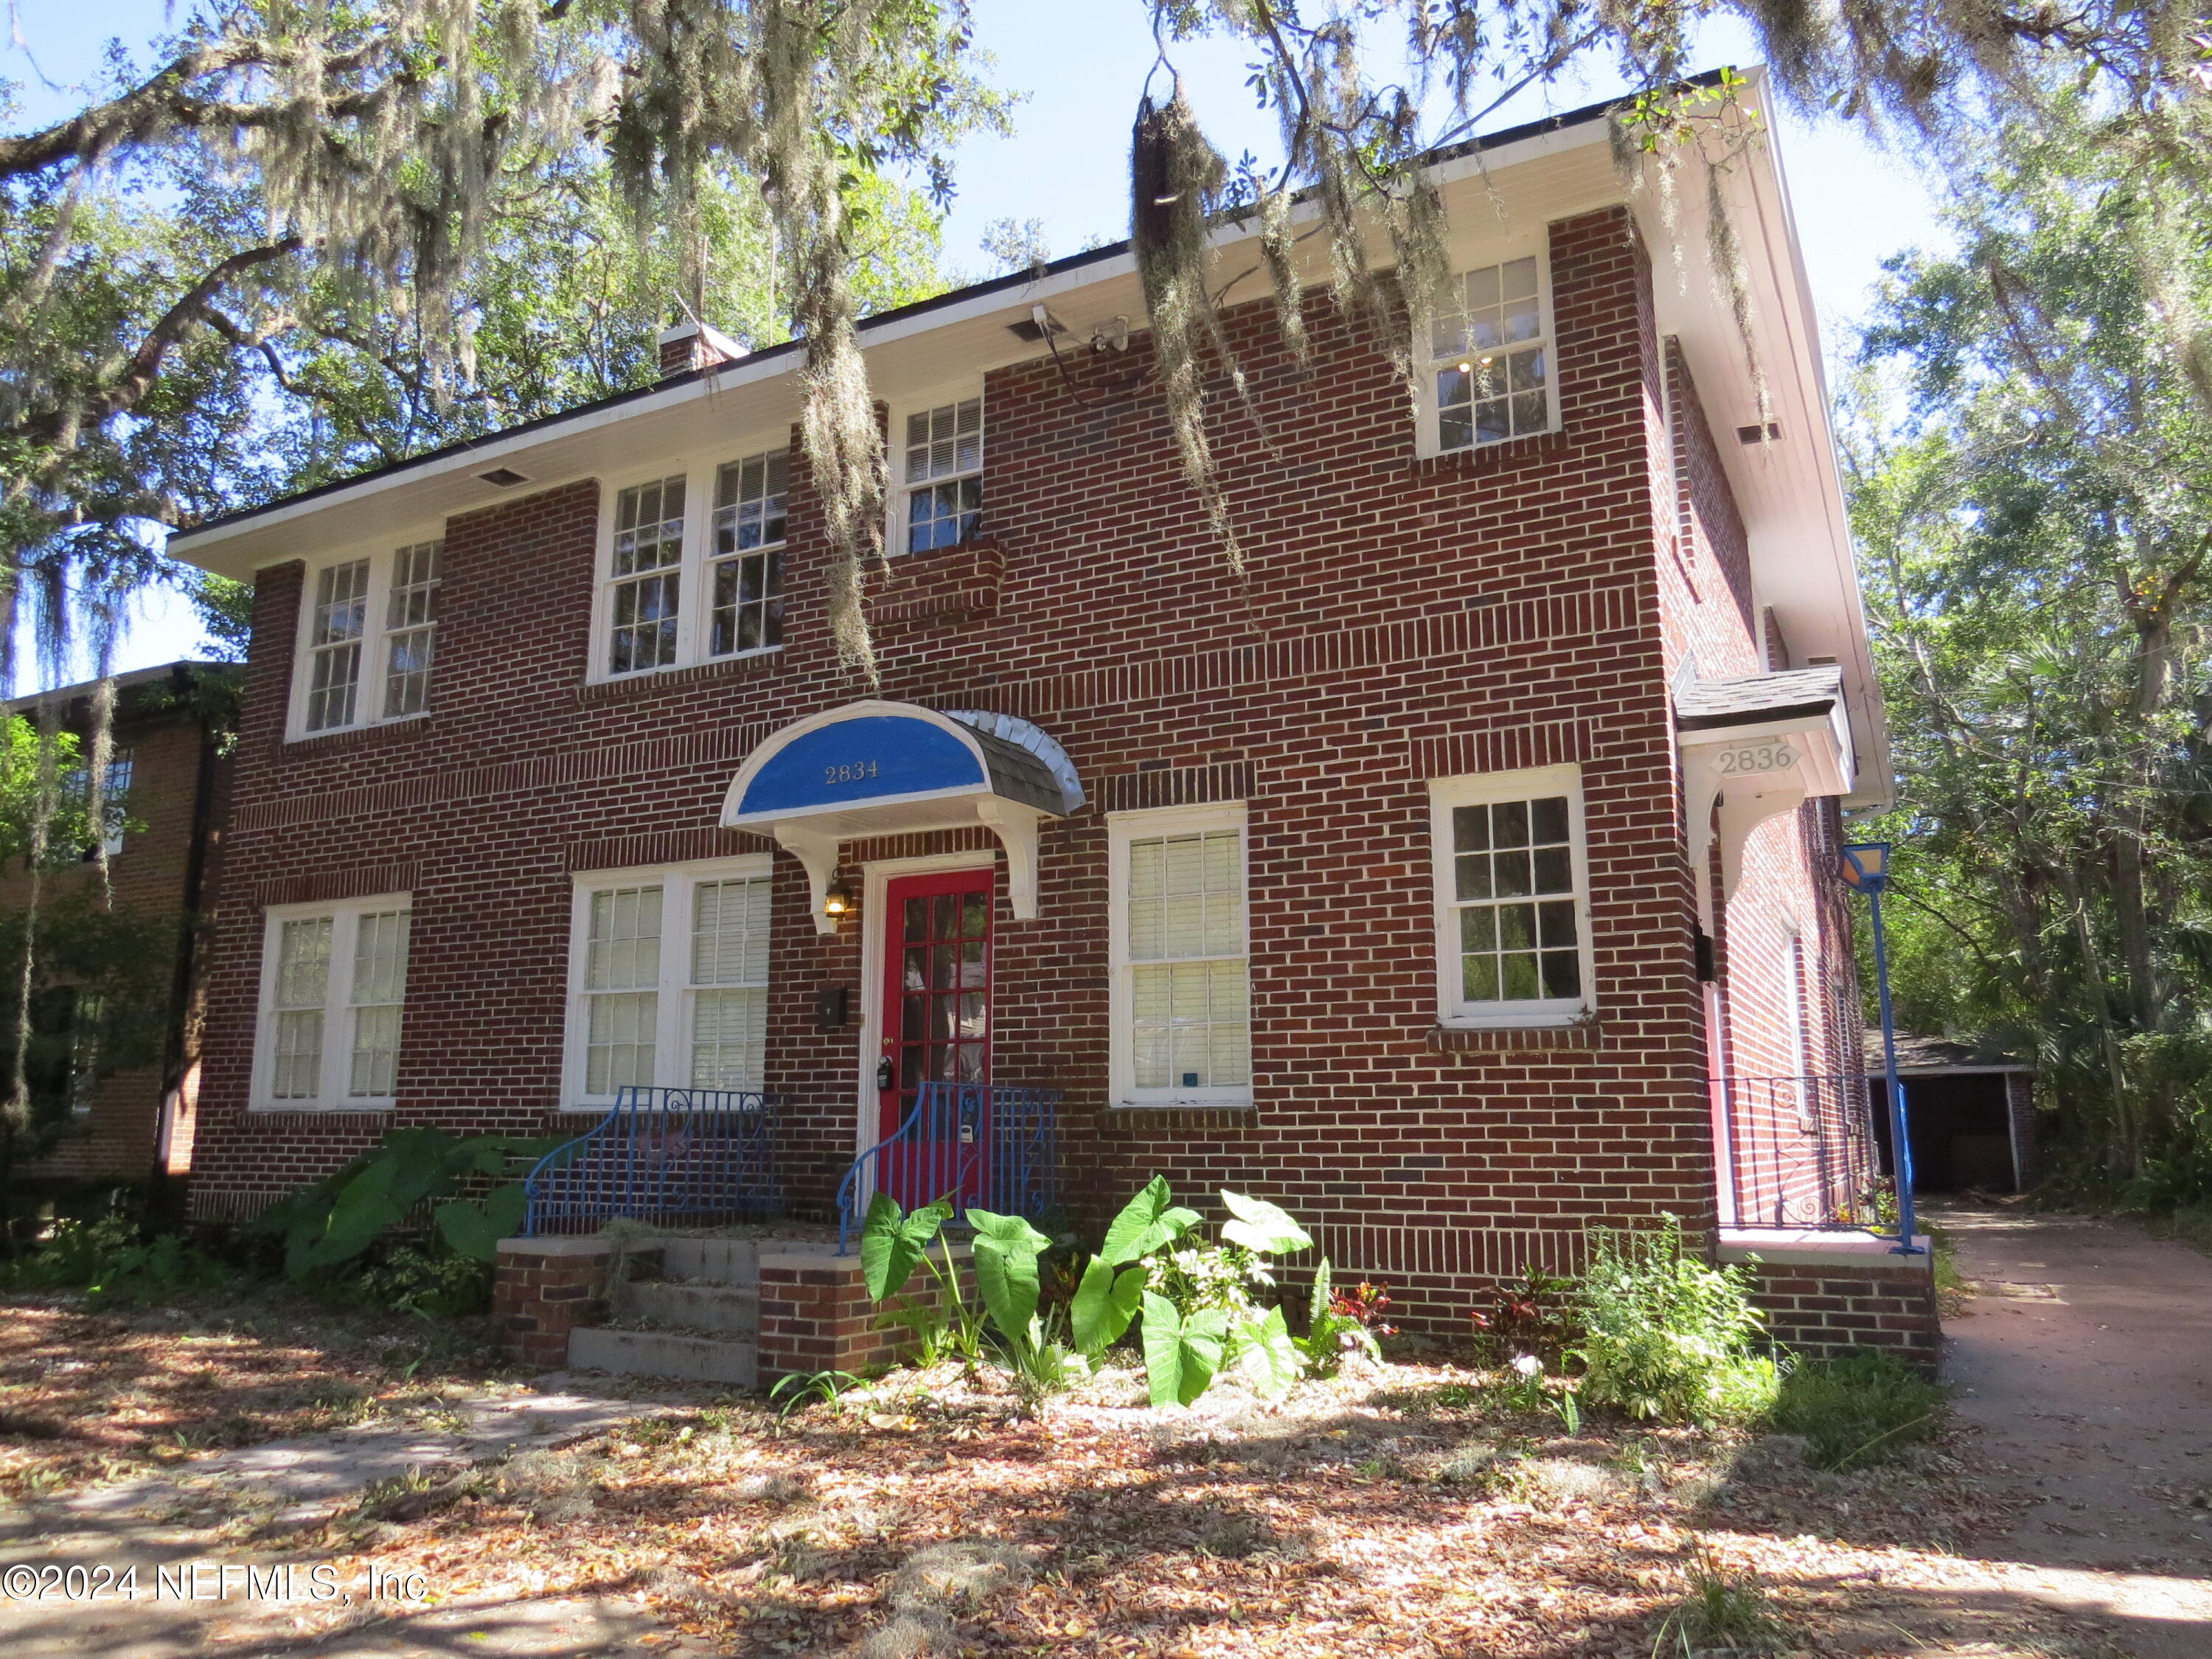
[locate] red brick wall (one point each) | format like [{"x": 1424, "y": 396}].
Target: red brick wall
[
  {"x": 118, "y": 1141},
  {"x": 1401, "y": 619},
  {"x": 1786, "y": 886}
]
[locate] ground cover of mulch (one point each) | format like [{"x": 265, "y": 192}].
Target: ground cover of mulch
[
  {"x": 1399, "y": 1511},
  {"x": 97, "y": 1394}
]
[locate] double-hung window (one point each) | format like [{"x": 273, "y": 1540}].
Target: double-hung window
[
  {"x": 746, "y": 566},
  {"x": 941, "y": 470},
  {"x": 1512, "y": 898},
  {"x": 647, "y": 576},
  {"x": 372, "y": 625},
  {"x": 341, "y": 615},
  {"x": 669, "y": 980},
  {"x": 411, "y": 629},
  {"x": 1490, "y": 357},
  {"x": 76, "y": 785},
  {"x": 1180, "y": 1002},
  {"x": 333, "y": 987}
]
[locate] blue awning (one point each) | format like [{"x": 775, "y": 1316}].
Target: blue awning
[{"x": 888, "y": 769}]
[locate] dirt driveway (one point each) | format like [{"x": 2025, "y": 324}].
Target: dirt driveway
[{"x": 2086, "y": 1360}]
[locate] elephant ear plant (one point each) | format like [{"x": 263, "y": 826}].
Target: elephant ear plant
[
  {"x": 1006, "y": 1252},
  {"x": 1199, "y": 1318},
  {"x": 339, "y": 1217}
]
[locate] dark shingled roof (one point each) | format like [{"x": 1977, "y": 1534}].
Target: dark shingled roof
[
  {"x": 1783, "y": 694},
  {"x": 1930, "y": 1053}
]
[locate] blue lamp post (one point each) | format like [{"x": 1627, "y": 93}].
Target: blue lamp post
[{"x": 1866, "y": 867}]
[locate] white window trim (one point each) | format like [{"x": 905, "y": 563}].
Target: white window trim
[
  {"x": 1122, "y": 828},
  {"x": 895, "y": 507},
  {"x": 1480, "y": 788},
  {"x": 330, "y": 1094},
  {"x": 375, "y": 636},
  {"x": 671, "y": 1043},
  {"x": 1535, "y": 240},
  {"x": 699, "y": 469}
]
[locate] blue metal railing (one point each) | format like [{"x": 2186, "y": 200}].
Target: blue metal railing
[
  {"x": 987, "y": 1146},
  {"x": 661, "y": 1155},
  {"x": 1802, "y": 1152}
]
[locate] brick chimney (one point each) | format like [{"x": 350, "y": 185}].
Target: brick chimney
[{"x": 692, "y": 345}]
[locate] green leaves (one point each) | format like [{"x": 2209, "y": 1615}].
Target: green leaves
[
  {"x": 1105, "y": 1302},
  {"x": 474, "y": 1230},
  {"x": 1147, "y": 1222},
  {"x": 892, "y": 1241},
  {"x": 1006, "y": 1250},
  {"x": 1262, "y": 1227},
  {"x": 1263, "y": 1352},
  {"x": 1181, "y": 1355},
  {"x": 336, "y": 1218}
]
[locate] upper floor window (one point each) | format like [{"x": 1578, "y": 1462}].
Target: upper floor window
[
  {"x": 334, "y": 984},
  {"x": 76, "y": 785},
  {"x": 1490, "y": 353},
  {"x": 942, "y": 474},
  {"x": 684, "y": 582},
  {"x": 1512, "y": 898},
  {"x": 1182, "y": 969},
  {"x": 648, "y": 554},
  {"x": 747, "y": 559},
  {"x": 371, "y": 626},
  {"x": 410, "y": 624},
  {"x": 334, "y": 641}
]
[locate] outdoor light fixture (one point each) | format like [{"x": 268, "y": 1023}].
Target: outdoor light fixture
[
  {"x": 1866, "y": 867},
  {"x": 838, "y": 900}
]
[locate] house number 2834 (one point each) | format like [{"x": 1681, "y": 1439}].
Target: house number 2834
[
  {"x": 1757, "y": 758},
  {"x": 849, "y": 772}
]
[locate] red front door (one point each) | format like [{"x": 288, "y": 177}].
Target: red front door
[{"x": 936, "y": 1015}]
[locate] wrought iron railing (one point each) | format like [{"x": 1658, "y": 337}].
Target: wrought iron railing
[
  {"x": 1801, "y": 1153},
  {"x": 663, "y": 1156},
  {"x": 986, "y": 1145}
]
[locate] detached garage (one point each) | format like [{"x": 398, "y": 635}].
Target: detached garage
[{"x": 1971, "y": 1112}]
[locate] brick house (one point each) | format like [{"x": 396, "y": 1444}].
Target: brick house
[
  {"x": 1425, "y": 879},
  {"x": 128, "y": 1098}
]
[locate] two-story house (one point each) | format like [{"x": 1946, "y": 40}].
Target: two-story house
[{"x": 1432, "y": 879}]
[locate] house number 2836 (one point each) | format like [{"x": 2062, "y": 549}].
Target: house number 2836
[
  {"x": 849, "y": 772},
  {"x": 1757, "y": 758}
]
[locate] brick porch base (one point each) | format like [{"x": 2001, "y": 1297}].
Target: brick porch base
[{"x": 1825, "y": 1294}]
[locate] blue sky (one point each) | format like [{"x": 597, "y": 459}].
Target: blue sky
[{"x": 1083, "y": 67}]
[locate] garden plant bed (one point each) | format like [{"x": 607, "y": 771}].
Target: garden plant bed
[{"x": 93, "y": 1394}]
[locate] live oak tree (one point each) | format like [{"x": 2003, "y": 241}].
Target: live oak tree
[
  {"x": 2032, "y": 489},
  {"x": 360, "y": 158}
]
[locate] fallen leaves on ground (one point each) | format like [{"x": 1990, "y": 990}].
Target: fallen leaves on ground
[
  {"x": 91, "y": 1394},
  {"x": 1401, "y": 1511}
]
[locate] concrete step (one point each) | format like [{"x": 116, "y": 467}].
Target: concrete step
[
  {"x": 730, "y": 1309},
  {"x": 723, "y": 1260},
  {"x": 730, "y": 1361}
]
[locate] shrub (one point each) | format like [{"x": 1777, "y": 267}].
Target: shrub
[
  {"x": 107, "y": 1259},
  {"x": 1860, "y": 1409},
  {"x": 1532, "y": 1316},
  {"x": 435, "y": 1284},
  {"x": 1665, "y": 1336}
]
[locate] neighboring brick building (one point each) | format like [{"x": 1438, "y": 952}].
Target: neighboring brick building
[
  {"x": 132, "y": 1094},
  {"x": 1260, "y": 854}
]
